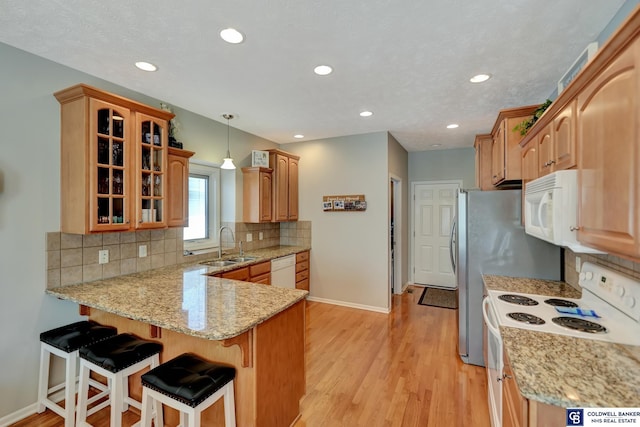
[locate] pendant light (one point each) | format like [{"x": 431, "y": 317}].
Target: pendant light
[{"x": 228, "y": 161}]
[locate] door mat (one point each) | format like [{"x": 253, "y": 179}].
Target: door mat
[{"x": 445, "y": 298}]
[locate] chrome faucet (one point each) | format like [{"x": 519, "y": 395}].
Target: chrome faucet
[{"x": 233, "y": 238}]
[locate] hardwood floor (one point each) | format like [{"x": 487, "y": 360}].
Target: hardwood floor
[{"x": 372, "y": 369}]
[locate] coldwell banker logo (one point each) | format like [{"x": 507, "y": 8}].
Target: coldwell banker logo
[{"x": 575, "y": 417}]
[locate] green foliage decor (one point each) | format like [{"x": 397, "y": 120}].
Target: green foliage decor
[{"x": 524, "y": 126}]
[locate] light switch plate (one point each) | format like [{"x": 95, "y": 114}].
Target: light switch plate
[
  {"x": 103, "y": 256},
  {"x": 142, "y": 251},
  {"x": 249, "y": 237},
  {"x": 260, "y": 235},
  {"x": 578, "y": 264}
]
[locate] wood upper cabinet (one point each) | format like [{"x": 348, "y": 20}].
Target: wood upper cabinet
[
  {"x": 152, "y": 136},
  {"x": 257, "y": 195},
  {"x": 285, "y": 185},
  {"x": 564, "y": 138},
  {"x": 102, "y": 154},
  {"x": 607, "y": 123},
  {"x": 506, "y": 156},
  {"x": 178, "y": 187},
  {"x": 483, "y": 145},
  {"x": 544, "y": 140},
  {"x": 497, "y": 155}
]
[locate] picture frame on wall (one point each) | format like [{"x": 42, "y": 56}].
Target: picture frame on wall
[{"x": 259, "y": 158}]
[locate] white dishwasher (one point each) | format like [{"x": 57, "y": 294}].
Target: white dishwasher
[{"x": 283, "y": 272}]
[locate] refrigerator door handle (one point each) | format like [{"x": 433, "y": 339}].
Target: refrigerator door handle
[{"x": 451, "y": 245}]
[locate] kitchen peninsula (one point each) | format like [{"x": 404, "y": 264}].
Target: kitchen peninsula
[{"x": 258, "y": 329}]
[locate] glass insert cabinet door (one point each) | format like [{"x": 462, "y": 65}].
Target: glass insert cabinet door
[
  {"x": 109, "y": 174},
  {"x": 152, "y": 166}
]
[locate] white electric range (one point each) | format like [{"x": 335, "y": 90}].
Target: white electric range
[
  {"x": 609, "y": 307},
  {"x": 609, "y": 310}
]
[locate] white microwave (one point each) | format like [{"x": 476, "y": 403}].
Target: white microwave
[{"x": 551, "y": 210}]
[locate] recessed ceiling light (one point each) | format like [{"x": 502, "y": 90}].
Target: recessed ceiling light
[
  {"x": 231, "y": 35},
  {"x": 435, "y": 145},
  {"x": 480, "y": 78},
  {"x": 146, "y": 66},
  {"x": 323, "y": 70},
  {"x": 298, "y": 136},
  {"x": 366, "y": 114},
  {"x": 453, "y": 126}
]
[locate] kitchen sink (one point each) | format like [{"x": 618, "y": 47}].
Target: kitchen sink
[
  {"x": 243, "y": 258},
  {"x": 220, "y": 263}
]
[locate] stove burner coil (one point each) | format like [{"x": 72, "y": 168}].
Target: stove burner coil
[
  {"x": 518, "y": 299},
  {"x": 556, "y": 302},
  {"x": 526, "y": 318},
  {"x": 581, "y": 325}
]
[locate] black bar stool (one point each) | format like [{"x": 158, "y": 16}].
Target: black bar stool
[
  {"x": 116, "y": 359},
  {"x": 64, "y": 342},
  {"x": 190, "y": 385}
]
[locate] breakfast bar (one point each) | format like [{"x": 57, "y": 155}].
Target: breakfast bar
[{"x": 258, "y": 329}]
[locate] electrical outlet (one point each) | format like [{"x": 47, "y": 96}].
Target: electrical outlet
[
  {"x": 103, "y": 256},
  {"x": 142, "y": 251},
  {"x": 578, "y": 264},
  {"x": 261, "y": 236},
  {"x": 249, "y": 237}
]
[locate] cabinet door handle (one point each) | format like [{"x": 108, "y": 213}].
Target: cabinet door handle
[
  {"x": 551, "y": 162},
  {"x": 573, "y": 228}
]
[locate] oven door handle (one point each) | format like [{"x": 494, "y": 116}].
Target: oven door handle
[
  {"x": 486, "y": 306},
  {"x": 544, "y": 202}
]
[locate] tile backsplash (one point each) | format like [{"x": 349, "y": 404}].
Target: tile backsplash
[
  {"x": 73, "y": 258},
  {"x": 612, "y": 262}
]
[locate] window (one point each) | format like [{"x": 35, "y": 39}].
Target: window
[{"x": 204, "y": 206}]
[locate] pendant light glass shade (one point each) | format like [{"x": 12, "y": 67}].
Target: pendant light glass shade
[{"x": 227, "y": 162}]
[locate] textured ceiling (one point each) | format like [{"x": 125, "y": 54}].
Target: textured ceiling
[{"x": 408, "y": 61}]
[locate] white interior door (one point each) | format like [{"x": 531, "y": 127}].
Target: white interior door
[{"x": 434, "y": 209}]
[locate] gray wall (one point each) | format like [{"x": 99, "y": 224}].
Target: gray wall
[{"x": 439, "y": 165}]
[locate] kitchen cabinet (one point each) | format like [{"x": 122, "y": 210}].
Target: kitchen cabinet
[
  {"x": 514, "y": 406},
  {"x": 178, "y": 187},
  {"x": 113, "y": 162},
  {"x": 150, "y": 171},
  {"x": 483, "y": 144},
  {"x": 607, "y": 123},
  {"x": 284, "y": 185},
  {"x": 506, "y": 158},
  {"x": 257, "y": 195},
  {"x": 544, "y": 141},
  {"x": 260, "y": 273},
  {"x": 256, "y": 273},
  {"x": 237, "y": 274},
  {"x": 302, "y": 270},
  {"x": 564, "y": 138}
]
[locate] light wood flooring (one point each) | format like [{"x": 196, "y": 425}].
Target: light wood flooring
[{"x": 372, "y": 369}]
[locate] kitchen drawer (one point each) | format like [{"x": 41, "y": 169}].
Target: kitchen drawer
[
  {"x": 260, "y": 269},
  {"x": 302, "y": 256},
  {"x": 238, "y": 274},
  {"x": 302, "y": 276},
  {"x": 302, "y": 284},
  {"x": 265, "y": 279},
  {"x": 301, "y": 266}
]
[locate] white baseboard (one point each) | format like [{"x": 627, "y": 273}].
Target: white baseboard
[
  {"x": 351, "y": 305},
  {"x": 18, "y": 415},
  {"x": 23, "y": 413}
]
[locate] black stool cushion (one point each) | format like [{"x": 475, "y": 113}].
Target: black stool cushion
[
  {"x": 120, "y": 352},
  {"x": 188, "y": 378},
  {"x": 71, "y": 337}
]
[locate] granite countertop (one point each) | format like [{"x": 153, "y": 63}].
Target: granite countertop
[
  {"x": 567, "y": 371},
  {"x": 186, "y": 299}
]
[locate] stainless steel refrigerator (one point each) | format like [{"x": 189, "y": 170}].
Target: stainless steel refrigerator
[{"x": 488, "y": 238}]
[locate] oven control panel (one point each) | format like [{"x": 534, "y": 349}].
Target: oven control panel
[{"x": 619, "y": 290}]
